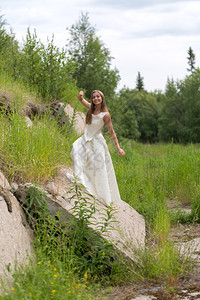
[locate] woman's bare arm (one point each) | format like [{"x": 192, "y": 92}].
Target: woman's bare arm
[
  {"x": 82, "y": 100},
  {"x": 107, "y": 120}
]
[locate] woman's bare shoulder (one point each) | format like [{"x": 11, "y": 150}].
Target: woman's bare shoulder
[{"x": 107, "y": 117}]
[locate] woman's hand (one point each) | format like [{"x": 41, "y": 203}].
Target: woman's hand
[
  {"x": 121, "y": 152},
  {"x": 80, "y": 95}
]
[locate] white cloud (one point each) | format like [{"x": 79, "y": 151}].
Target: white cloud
[{"x": 147, "y": 36}]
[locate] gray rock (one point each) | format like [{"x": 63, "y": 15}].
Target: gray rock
[
  {"x": 15, "y": 234},
  {"x": 79, "y": 118},
  {"x": 14, "y": 187},
  {"x": 128, "y": 231},
  {"x": 4, "y": 182}
]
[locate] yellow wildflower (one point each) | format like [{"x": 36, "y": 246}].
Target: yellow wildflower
[
  {"x": 86, "y": 276},
  {"x": 77, "y": 286},
  {"x": 53, "y": 292},
  {"x": 13, "y": 288},
  {"x": 55, "y": 276}
]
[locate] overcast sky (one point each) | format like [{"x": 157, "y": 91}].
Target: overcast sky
[{"x": 147, "y": 36}]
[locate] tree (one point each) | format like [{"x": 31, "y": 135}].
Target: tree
[
  {"x": 191, "y": 60},
  {"x": 56, "y": 71},
  {"x": 138, "y": 115},
  {"x": 9, "y": 51},
  {"x": 3, "y": 34},
  {"x": 92, "y": 59},
  {"x": 190, "y": 95},
  {"x": 126, "y": 124},
  {"x": 170, "y": 122},
  {"x": 45, "y": 68},
  {"x": 31, "y": 64},
  {"x": 139, "y": 82}
]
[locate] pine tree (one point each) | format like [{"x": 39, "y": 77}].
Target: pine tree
[
  {"x": 139, "y": 82},
  {"x": 191, "y": 60}
]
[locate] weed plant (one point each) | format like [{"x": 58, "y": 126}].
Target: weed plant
[
  {"x": 94, "y": 254},
  {"x": 195, "y": 205}
]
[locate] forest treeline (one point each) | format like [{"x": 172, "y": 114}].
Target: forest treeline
[{"x": 85, "y": 63}]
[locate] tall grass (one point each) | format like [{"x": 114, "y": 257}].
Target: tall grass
[
  {"x": 34, "y": 153},
  {"x": 17, "y": 92},
  {"x": 152, "y": 176},
  {"x": 44, "y": 280}
]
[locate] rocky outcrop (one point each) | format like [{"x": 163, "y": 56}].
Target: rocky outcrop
[
  {"x": 15, "y": 234},
  {"x": 63, "y": 113},
  {"x": 58, "y": 110},
  {"x": 128, "y": 231}
]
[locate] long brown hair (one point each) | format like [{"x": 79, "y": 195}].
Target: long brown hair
[{"x": 92, "y": 108}]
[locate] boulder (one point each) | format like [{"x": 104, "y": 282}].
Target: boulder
[
  {"x": 127, "y": 232},
  {"x": 15, "y": 234},
  {"x": 77, "y": 117}
]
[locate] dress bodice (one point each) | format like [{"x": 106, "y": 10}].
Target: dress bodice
[{"x": 95, "y": 127}]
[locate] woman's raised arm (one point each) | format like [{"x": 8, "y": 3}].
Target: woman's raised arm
[{"x": 82, "y": 100}]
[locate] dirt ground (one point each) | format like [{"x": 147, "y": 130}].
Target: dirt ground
[{"x": 186, "y": 288}]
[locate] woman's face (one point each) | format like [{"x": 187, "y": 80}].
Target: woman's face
[{"x": 96, "y": 98}]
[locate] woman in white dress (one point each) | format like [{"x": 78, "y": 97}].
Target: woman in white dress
[{"x": 93, "y": 166}]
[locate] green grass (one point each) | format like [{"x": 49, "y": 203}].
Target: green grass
[
  {"x": 46, "y": 280},
  {"x": 152, "y": 176},
  {"x": 17, "y": 93},
  {"x": 34, "y": 153}
]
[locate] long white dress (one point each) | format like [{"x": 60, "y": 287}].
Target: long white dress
[{"x": 93, "y": 166}]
